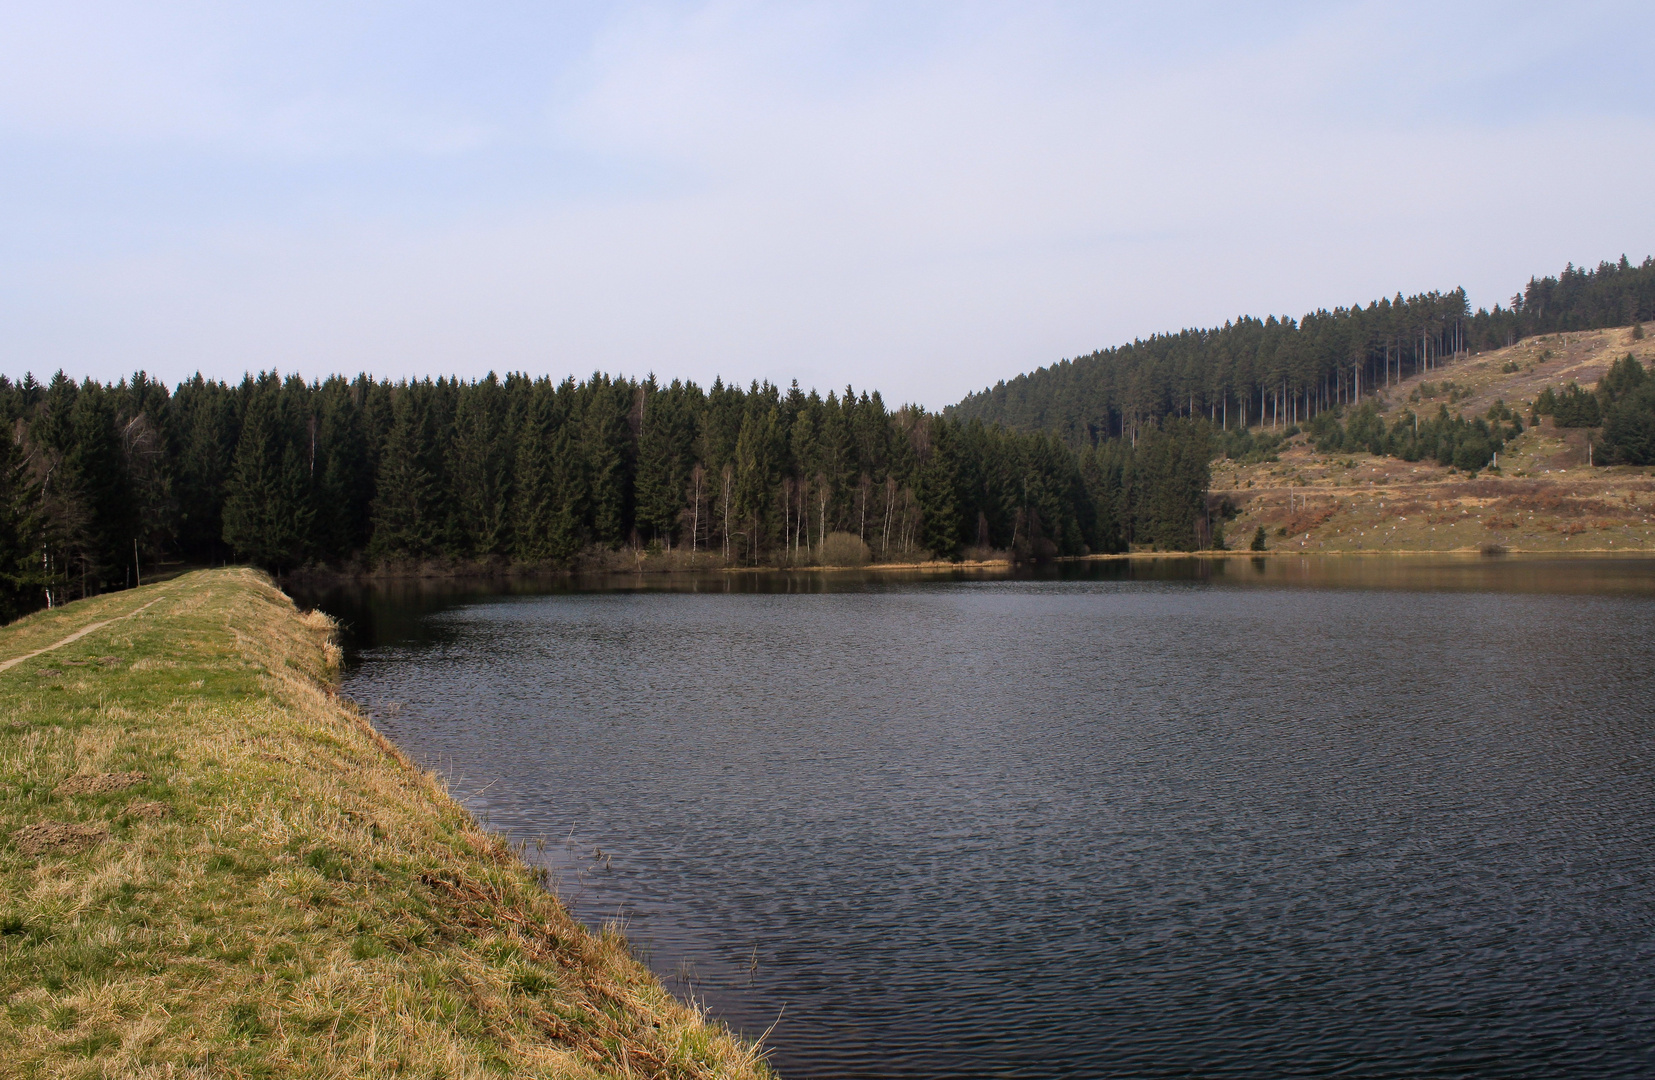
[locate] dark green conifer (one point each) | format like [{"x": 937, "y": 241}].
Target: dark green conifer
[
  {"x": 664, "y": 448},
  {"x": 478, "y": 470},
  {"x": 267, "y": 509},
  {"x": 408, "y": 522},
  {"x": 606, "y": 448},
  {"x": 22, "y": 570},
  {"x": 936, "y": 491}
]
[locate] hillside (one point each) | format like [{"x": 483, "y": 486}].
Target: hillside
[
  {"x": 1283, "y": 367},
  {"x": 1543, "y": 495},
  {"x": 211, "y": 866}
]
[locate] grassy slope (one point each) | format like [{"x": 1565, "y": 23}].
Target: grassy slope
[
  {"x": 1543, "y": 498},
  {"x": 284, "y": 895}
]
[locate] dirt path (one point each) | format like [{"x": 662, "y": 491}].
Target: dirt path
[{"x": 78, "y": 634}]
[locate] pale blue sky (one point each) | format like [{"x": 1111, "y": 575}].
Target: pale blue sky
[{"x": 917, "y": 198}]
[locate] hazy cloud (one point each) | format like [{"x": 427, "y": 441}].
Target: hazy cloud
[{"x": 922, "y": 199}]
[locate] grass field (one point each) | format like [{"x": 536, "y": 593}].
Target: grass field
[{"x": 210, "y": 866}]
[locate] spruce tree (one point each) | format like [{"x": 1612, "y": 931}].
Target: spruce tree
[
  {"x": 268, "y": 512},
  {"x": 343, "y": 477},
  {"x": 206, "y": 430},
  {"x": 478, "y": 470},
  {"x": 144, "y": 420},
  {"x": 936, "y": 493},
  {"x": 21, "y": 536},
  {"x": 548, "y": 490},
  {"x": 606, "y": 449},
  {"x": 407, "y": 518},
  {"x": 1629, "y": 428},
  {"x": 663, "y": 461},
  {"x": 95, "y": 470}
]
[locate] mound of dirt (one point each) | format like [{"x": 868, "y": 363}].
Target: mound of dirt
[
  {"x": 99, "y": 784},
  {"x": 55, "y": 837},
  {"x": 149, "y": 810},
  {"x": 108, "y": 660},
  {"x": 48, "y": 673}
]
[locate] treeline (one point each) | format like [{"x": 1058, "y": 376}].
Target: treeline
[
  {"x": 1282, "y": 372},
  {"x": 100, "y": 481}
]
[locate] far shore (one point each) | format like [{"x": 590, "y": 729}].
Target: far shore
[{"x": 646, "y": 567}]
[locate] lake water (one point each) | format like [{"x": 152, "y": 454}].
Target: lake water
[{"x": 1360, "y": 817}]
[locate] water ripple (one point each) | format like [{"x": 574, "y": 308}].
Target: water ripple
[{"x": 1108, "y": 828}]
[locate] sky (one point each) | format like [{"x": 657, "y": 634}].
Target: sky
[{"x": 922, "y": 199}]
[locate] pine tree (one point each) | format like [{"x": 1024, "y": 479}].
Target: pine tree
[
  {"x": 607, "y": 453},
  {"x": 757, "y": 472},
  {"x": 66, "y": 517},
  {"x": 478, "y": 470},
  {"x": 1172, "y": 471},
  {"x": 663, "y": 461},
  {"x": 1101, "y": 471},
  {"x": 21, "y": 535},
  {"x": 548, "y": 496},
  {"x": 408, "y": 521},
  {"x": 268, "y": 512},
  {"x": 94, "y": 470},
  {"x": 206, "y": 429},
  {"x": 342, "y": 476},
  {"x": 936, "y": 493}
]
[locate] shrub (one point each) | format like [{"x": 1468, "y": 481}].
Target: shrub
[
  {"x": 844, "y": 549},
  {"x": 1473, "y": 454}
]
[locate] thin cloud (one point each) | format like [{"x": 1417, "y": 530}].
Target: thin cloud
[{"x": 922, "y": 200}]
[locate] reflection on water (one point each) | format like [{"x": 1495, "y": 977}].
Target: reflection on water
[{"x": 1361, "y": 816}]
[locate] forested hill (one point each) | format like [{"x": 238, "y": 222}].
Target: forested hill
[
  {"x": 99, "y": 481},
  {"x": 1284, "y": 370}
]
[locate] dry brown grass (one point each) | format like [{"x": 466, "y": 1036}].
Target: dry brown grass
[
  {"x": 1544, "y": 496},
  {"x": 281, "y": 893}
]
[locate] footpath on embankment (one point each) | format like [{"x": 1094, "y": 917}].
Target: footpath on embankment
[{"x": 210, "y": 865}]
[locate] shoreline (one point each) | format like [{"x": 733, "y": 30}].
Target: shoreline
[
  {"x": 1300, "y": 553},
  {"x": 211, "y": 862},
  {"x": 460, "y": 575}
]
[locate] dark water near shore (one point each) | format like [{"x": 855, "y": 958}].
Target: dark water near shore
[{"x": 1350, "y": 817}]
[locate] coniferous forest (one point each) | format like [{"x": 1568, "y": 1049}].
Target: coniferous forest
[
  {"x": 101, "y": 481},
  {"x": 1282, "y": 372}
]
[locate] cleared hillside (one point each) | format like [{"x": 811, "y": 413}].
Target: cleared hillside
[
  {"x": 1542, "y": 496},
  {"x": 1283, "y": 367}
]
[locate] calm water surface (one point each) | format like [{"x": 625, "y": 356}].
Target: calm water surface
[{"x": 1310, "y": 818}]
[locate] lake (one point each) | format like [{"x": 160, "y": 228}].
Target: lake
[{"x": 1293, "y": 817}]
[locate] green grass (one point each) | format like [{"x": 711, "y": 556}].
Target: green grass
[{"x": 282, "y": 894}]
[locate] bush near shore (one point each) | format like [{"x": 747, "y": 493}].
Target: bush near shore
[{"x": 210, "y": 865}]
